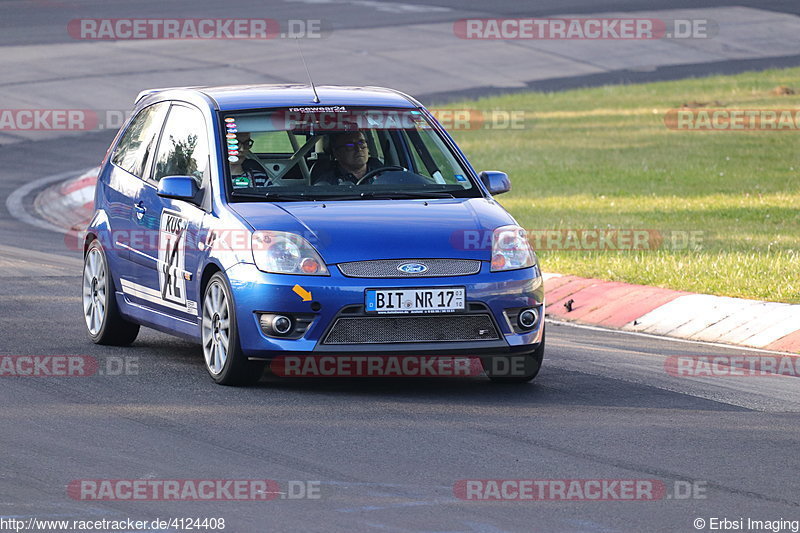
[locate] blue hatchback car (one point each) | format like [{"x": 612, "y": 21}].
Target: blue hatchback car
[{"x": 275, "y": 220}]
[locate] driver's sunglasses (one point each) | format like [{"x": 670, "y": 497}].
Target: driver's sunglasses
[{"x": 358, "y": 145}]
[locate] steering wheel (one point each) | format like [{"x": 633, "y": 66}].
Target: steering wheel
[{"x": 377, "y": 171}]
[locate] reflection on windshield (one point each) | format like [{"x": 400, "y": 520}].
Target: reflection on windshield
[{"x": 336, "y": 153}]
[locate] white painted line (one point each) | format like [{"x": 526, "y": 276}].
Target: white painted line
[
  {"x": 15, "y": 201},
  {"x": 665, "y": 338}
]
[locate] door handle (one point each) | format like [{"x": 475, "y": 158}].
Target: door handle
[{"x": 140, "y": 210}]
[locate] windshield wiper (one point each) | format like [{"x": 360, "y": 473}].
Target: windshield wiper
[
  {"x": 366, "y": 195},
  {"x": 274, "y": 196},
  {"x": 388, "y": 195}
]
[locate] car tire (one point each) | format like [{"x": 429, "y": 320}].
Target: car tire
[
  {"x": 499, "y": 368},
  {"x": 222, "y": 352},
  {"x": 101, "y": 314}
]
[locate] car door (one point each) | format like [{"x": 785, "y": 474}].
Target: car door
[
  {"x": 123, "y": 180},
  {"x": 168, "y": 263}
]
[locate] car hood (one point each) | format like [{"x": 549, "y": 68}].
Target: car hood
[{"x": 385, "y": 229}]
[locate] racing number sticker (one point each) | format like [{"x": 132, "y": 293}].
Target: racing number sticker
[{"x": 172, "y": 257}]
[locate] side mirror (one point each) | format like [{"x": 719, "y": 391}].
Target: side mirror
[
  {"x": 496, "y": 182},
  {"x": 178, "y": 187}
]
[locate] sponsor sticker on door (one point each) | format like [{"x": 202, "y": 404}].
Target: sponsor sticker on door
[{"x": 172, "y": 257}]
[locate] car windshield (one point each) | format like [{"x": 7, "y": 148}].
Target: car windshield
[{"x": 338, "y": 153}]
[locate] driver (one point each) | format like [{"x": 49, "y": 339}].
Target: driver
[{"x": 351, "y": 159}]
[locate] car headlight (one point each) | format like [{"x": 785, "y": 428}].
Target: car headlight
[
  {"x": 511, "y": 249},
  {"x": 280, "y": 252}
]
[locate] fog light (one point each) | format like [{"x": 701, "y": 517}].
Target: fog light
[
  {"x": 281, "y": 324},
  {"x": 527, "y": 318}
]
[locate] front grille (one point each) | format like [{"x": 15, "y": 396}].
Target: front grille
[
  {"x": 388, "y": 268},
  {"x": 385, "y": 329}
]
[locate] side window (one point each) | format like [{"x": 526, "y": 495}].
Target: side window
[
  {"x": 183, "y": 150},
  {"x": 139, "y": 139}
]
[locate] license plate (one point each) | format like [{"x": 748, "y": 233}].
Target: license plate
[{"x": 428, "y": 300}]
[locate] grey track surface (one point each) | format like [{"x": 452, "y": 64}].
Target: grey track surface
[
  {"x": 44, "y": 21},
  {"x": 387, "y": 452}
]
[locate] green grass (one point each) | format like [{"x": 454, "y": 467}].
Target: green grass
[{"x": 603, "y": 158}]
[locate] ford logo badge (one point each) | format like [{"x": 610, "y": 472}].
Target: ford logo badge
[{"x": 412, "y": 268}]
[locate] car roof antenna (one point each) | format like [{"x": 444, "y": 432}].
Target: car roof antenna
[{"x": 313, "y": 88}]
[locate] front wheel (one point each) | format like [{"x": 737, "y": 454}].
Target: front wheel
[
  {"x": 225, "y": 362},
  {"x": 100, "y": 312},
  {"x": 515, "y": 368}
]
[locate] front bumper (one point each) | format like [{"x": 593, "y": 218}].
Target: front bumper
[{"x": 335, "y": 296}]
